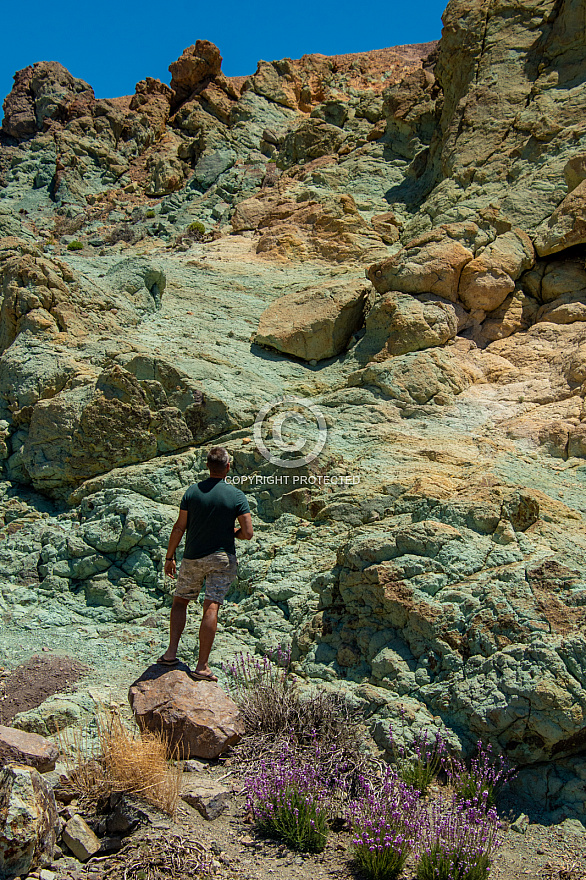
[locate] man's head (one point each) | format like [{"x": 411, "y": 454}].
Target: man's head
[{"x": 218, "y": 461}]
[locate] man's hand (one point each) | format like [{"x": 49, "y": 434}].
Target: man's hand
[{"x": 174, "y": 539}]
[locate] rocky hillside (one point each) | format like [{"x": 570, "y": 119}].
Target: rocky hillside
[{"x": 398, "y": 238}]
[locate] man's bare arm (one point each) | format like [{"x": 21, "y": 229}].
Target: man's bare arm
[
  {"x": 176, "y": 534},
  {"x": 244, "y": 532}
]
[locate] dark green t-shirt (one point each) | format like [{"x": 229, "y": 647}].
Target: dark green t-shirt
[{"x": 212, "y": 506}]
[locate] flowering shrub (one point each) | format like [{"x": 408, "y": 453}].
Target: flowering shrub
[
  {"x": 277, "y": 715},
  {"x": 289, "y": 800},
  {"x": 458, "y": 841},
  {"x": 247, "y": 673},
  {"x": 425, "y": 760},
  {"x": 385, "y": 821},
  {"x": 482, "y": 781}
]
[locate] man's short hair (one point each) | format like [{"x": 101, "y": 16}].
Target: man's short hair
[{"x": 218, "y": 458}]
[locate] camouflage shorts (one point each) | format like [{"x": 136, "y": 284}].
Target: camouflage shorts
[{"x": 218, "y": 570}]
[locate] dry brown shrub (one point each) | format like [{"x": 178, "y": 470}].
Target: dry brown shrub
[
  {"x": 173, "y": 857},
  {"x": 124, "y": 761},
  {"x": 321, "y": 726},
  {"x": 63, "y": 225},
  {"x": 126, "y": 232}
]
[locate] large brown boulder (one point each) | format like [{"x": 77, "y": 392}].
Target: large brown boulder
[
  {"x": 432, "y": 263},
  {"x": 452, "y": 262},
  {"x": 398, "y": 323},
  {"x": 153, "y": 99},
  {"x": 315, "y": 323},
  {"x": 27, "y": 748},
  {"x": 28, "y": 821},
  {"x": 196, "y": 717},
  {"x": 19, "y": 109},
  {"x": 487, "y": 280}
]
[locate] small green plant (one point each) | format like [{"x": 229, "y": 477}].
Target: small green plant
[
  {"x": 247, "y": 673},
  {"x": 299, "y": 820},
  {"x": 196, "y": 231},
  {"x": 75, "y": 246},
  {"x": 150, "y": 214},
  {"x": 421, "y": 765},
  {"x": 196, "y": 226},
  {"x": 437, "y": 865}
]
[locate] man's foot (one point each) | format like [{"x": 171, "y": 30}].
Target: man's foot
[
  {"x": 204, "y": 675},
  {"x": 162, "y": 661}
]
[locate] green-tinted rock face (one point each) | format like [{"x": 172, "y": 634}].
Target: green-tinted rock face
[
  {"x": 431, "y": 554},
  {"x": 312, "y": 139}
]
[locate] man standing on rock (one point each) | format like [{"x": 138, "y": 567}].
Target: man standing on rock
[{"x": 207, "y": 512}]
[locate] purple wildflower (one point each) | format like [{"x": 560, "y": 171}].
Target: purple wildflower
[
  {"x": 425, "y": 759},
  {"x": 289, "y": 801},
  {"x": 458, "y": 841},
  {"x": 483, "y": 780},
  {"x": 247, "y": 672},
  {"x": 385, "y": 822}
]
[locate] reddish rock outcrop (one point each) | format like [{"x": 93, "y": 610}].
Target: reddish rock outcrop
[
  {"x": 19, "y": 108},
  {"x": 153, "y": 98},
  {"x": 333, "y": 230},
  {"x": 196, "y": 68},
  {"x": 44, "y": 92}
]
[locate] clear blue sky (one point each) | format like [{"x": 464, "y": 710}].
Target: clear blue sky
[{"x": 113, "y": 44}]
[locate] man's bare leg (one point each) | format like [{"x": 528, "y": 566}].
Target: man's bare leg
[
  {"x": 176, "y": 626},
  {"x": 207, "y": 633}
]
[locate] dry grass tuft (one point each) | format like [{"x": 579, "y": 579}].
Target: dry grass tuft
[{"x": 123, "y": 761}]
